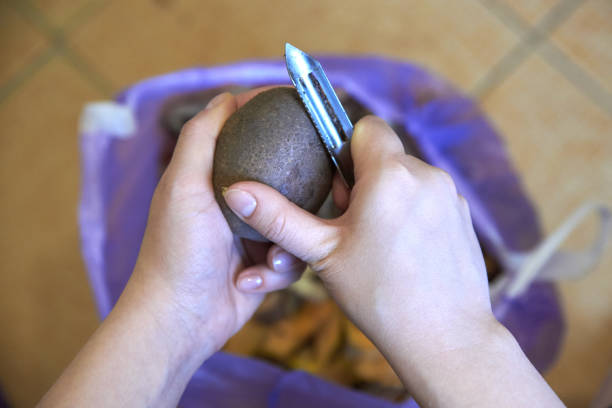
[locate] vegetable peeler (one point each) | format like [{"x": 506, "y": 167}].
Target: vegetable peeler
[{"x": 324, "y": 107}]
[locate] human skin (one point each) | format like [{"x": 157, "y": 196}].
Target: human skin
[
  {"x": 402, "y": 261},
  {"x": 182, "y": 301},
  {"x": 404, "y": 264}
]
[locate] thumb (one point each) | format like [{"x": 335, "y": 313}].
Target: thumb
[
  {"x": 373, "y": 141},
  {"x": 275, "y": 217}
]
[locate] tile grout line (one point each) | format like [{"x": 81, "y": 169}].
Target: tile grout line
[
  {"x": 569, "y": 68},
  {"x": 78, "y": 62},
  {"x": 501, "y": 70},
  {"x": 99, "y": 81},
  {"x": 27, "y": 72},
  {"x": 557, "y": 15},
  {"x": 531, "y": 39},
  {"x": 535, "y": 39},
  {"x": 83, "y": 14},
  {"x": 57, "y": 46},
  {"x": 506, "y": 16},
  {"x": 528, "y": 38},
  {"x": 36, "y": 63},
  {"x": 576, "y": 75},
  {"x": 572, "y": 71},
  {"x": 29, "y": 13}
]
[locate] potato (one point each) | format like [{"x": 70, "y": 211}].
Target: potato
[{"x": 272, "y": 140}]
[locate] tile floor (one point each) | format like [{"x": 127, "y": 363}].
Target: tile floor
[{"x": 542, "y": 70}]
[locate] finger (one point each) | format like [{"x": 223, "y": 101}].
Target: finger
[
  {"x": 282, "y": 261},
  {"x": 372, "y": 141},
  {"x": 195, "y": 148},
  {"x": 266, "y": 210},
  {"x": 261, "y": 279},
  {"x": 247, "y": 303},
  {"x": 340, "y": 193}
]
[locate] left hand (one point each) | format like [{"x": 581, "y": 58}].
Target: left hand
[
  {"x": 189, "y": 254},
  {"x": 182, "y": 302}
]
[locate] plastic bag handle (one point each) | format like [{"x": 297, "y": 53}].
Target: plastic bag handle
[{"x": 547, "y": 262}]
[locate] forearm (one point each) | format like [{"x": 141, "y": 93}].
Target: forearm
[
  {"x": 135, "y": 358},
  {"x": 491, "y": 372}
]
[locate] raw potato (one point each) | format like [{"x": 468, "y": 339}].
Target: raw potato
[{"x": 272, "y": 140}]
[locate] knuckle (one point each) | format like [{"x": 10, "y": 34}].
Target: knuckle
[
  {"x": 196, "y": 127},
  {"x": 276, "y": 228},
  {"x": 190, "y": 127},
  {"x": 323, "y": 265},
  {"x": 463, "y": 204},
  {"x": 443, "y": 177},
  {"x": 396, "y": 176},
  {"x": 396, "y": 167},
  {"x": 321, "y": 257},
  {"x": 392, "y": 170},
  {"x": 443, "y": 180}
]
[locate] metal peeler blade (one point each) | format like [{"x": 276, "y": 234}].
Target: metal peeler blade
[{"x": 324, "y": 108}]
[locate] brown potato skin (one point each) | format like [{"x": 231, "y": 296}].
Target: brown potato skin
[{"x": 272, "y": 140}]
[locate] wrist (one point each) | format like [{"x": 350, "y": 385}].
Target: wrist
[
  {"x": 138, "y": 352},
  {"x": 171, "y": 327},
  {"x": 450, "y": 371},
  {"x": 452, "y": 341}
]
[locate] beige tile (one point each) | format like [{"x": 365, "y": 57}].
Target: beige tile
[
  {"x": 19, "y": 42},
  {"x": 46, "y": 308},
  {"x": 560, "y": 142},
  {"x": 59, "y": 11},
  {"x": 136, "y": 39},
  {"x": 587, "y": 38},
  {"x": 529, "y": 10}
]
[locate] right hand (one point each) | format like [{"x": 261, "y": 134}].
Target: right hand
[{"x": 403, "y": 260}]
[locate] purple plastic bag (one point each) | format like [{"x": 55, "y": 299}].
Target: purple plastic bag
[{"x": 120, "y": 163}]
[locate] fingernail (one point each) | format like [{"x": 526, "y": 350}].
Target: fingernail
[
  {"x": 217, "y": 100},
  {"x": 283, "y": 261},
  {"x": 250, "y": 282},
  {"x": 241, "y": 202}
]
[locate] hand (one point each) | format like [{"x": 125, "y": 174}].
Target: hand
[
  {"x": 181, "y": 303},
  {"x": 404, "y": 263},
  {"x": 188, "y": 251},
  {"x": 402, "y": 258}
]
